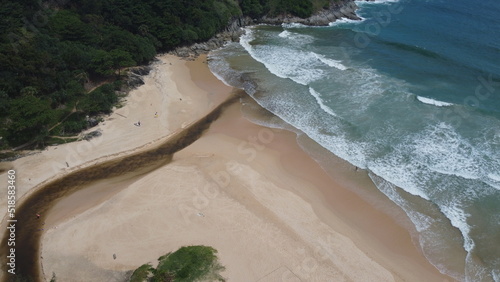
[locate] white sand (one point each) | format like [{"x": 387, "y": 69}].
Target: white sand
[
  {"x": 160, "y": 93},
  {"x": 262, "y": 232},
  {"x": 248, "y": 192}
]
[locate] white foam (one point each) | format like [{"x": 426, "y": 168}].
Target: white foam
[
  {"x": 361, "y": 3},
  {"x": 293, "y": 25},
  {"x": 493, "y": 180},
  {"x": 416, "y": 164},
  {"x": 494, "y": 176},
  {"x": 285, "y": 34},
  {"x": 218, "y": 66},
  {"x": 342, "y": 21},
  {"x": 365, "y": 86},
  {"x": 495, "y": 185},
  {"x": 282, "y": 61},
  {"x": 394, "y": 169},
  {"x": 335, "y": 142},
  {"x": 219, "y": 77},
  {"x": 329, "y": 62},
  {"x": 412, "y": 165},
  {"x": 221, "y": 68},
  {"x": 420, "y": 221},
  {"x": 433, "y": 102},
  {"x": 496, "y": 275},
  {"x": 424, "y": 223},
  {"x": 297, "y": 38},
  {"x": 458, "y": 218},
  {"x": 402, "y": 176},
  {"x": 442, "y": 149},
  {"x": 321, "y": 103}
]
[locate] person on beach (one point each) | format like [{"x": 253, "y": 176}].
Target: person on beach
[{"x": 156, "y": 114}]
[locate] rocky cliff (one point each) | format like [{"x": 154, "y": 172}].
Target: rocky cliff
[{"x": 336, "y": 10}]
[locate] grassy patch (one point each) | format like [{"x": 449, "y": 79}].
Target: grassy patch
[
  {"x": 143, "y": 273},
  {"x": 191, "y": 263}
]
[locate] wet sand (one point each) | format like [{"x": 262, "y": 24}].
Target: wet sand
[
  {"x": 132, "y": 150},
  {"x": 249, "y": 191}
]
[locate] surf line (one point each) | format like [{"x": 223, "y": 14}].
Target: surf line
[{"x": 43, "y": 197}]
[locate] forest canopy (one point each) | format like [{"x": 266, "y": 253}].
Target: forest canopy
[{"x": 60, "y": 60}]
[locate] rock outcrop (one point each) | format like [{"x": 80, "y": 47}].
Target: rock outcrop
[
  {"x": 231, "y": 33},
  {"x": 337, "y": 10},
  {"x": 135, "y": 76}
]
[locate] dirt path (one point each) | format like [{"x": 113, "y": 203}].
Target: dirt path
[{"x": 28, "y": 234}]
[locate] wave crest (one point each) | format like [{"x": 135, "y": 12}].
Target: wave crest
[
  {"x": 320, "y": 102},
  {"x": 430, "y": 101}
]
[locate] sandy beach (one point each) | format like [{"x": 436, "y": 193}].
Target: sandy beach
[
  {"x": 249, "y": 191},
  {"x": 119, "y": 134}
]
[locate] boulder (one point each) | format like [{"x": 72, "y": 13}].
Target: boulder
[
  {"x": 92, "y": 134},
  {"x": 336, "y": 10}
]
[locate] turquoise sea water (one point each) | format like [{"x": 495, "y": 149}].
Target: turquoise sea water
[{"x": 412, "y": 94}]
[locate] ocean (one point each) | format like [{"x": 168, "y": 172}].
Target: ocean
[{"x": 411, "y": 94}]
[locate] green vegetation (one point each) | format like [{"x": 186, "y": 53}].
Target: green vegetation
[
  {"x": 192, "y": 263},
  {"x": 53, "y": 53},
  {"x": 254, "y": 8},
  {"x": 300, "y": 8},
  {"x": 143, "y": 273}
]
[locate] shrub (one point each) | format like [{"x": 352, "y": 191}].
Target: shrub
[{"x": 191, "y": 263}]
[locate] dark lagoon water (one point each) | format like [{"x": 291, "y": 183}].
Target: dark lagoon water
[{"x": 412, "y": 94}]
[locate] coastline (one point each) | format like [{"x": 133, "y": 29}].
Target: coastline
[
  {"x": 120, "y": 135},
  {"x": 121, "y": 138},
  {"x": 282, "y": 204},
  {"x": 276, "y": 204}
]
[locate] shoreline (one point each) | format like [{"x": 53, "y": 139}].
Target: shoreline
[
  {"x": 109, "y": 148},
  {"x": 196, "y": 159},
  {"x": 118, "y": 139},
  {"x": 373, "y": 231}
]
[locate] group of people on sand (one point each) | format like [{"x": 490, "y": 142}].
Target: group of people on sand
[{"x": 139, "y": 122}]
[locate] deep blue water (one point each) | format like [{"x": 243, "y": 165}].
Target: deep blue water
[
  {"x": 444, "y": 47},
  {"x": 412, "y": 94}
]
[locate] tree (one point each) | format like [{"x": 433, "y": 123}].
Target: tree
[
  {"x": 29, "y": 91},
  {"x": 30, "y": 118},
  {"x": 121, "y": 59},
  {"x": 100, "y": 100},
  {"x": 4, "y": 103},
  {"x": 88, "y": 41},
  {"x": 252, "y": 8},
  {"x": 101, "y": 63},
  {"x": 68, "y": 26}
]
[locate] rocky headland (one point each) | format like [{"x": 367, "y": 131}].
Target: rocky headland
[{"x": 337, "y": 10}]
